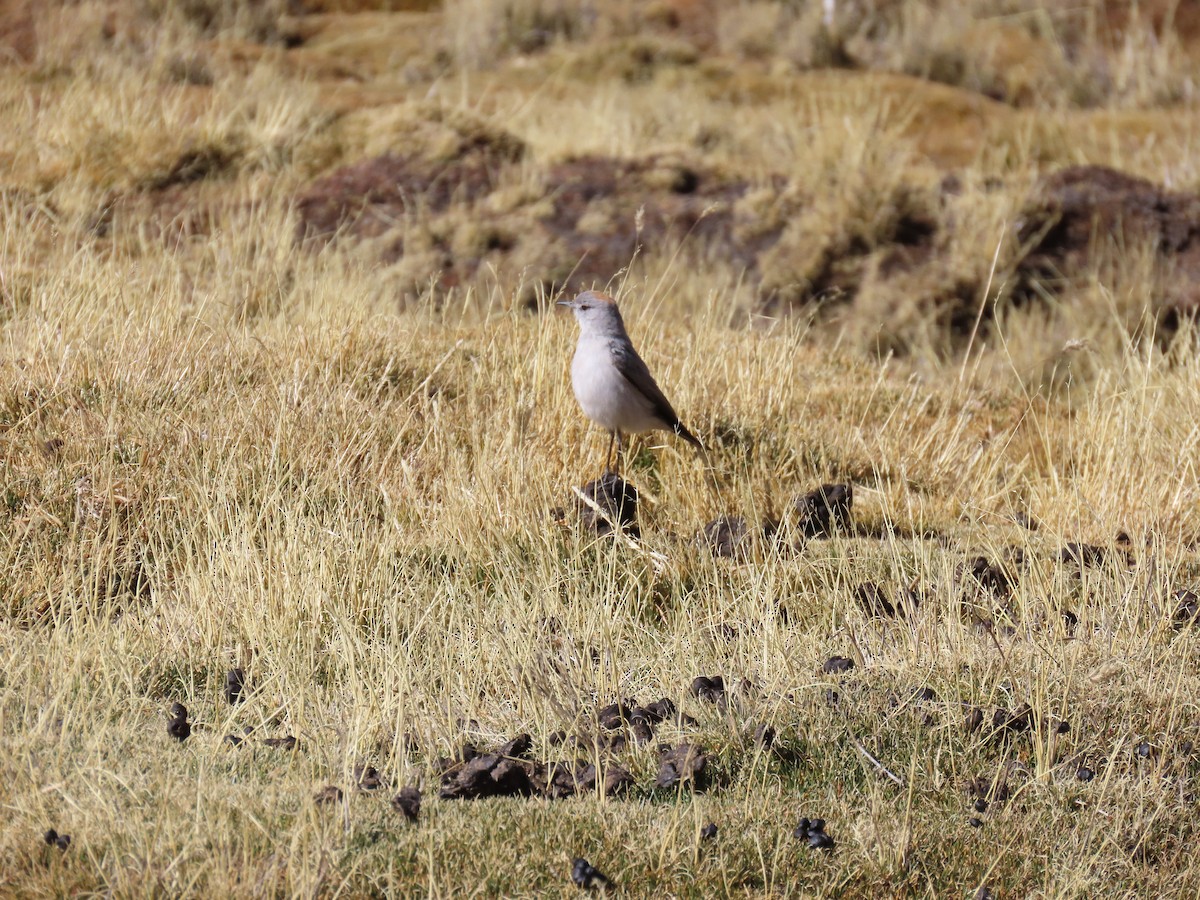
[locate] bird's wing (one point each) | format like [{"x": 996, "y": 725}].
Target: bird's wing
[{"x": 634, "y": 370}]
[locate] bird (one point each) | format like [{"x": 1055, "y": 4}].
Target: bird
[{"x": 612, "y": 383}]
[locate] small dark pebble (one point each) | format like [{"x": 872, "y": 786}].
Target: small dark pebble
[
  {"x": 179, "y": 727},
  {"x": 408, "y": 802},
  {"x": 54, "y": 839},
  {"x": 837, "y": 665},
  {"x": 975, "y": 822},
  {"x": 329, "y": 794},
  {"x": 981, "y": 805},
  {"x": 287, "y": 742},
  {"x": 708, "y": 832},
  {"x": 1084, "y": 774},
  {"x": 587, "y": 876},
  {"x": 235, "y": 686}
]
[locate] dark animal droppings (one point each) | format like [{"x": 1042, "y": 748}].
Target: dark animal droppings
[
  {"x": 819, "y": 513},
  {"x": 329, "y": 794},
  {"x": 975, "y": 822},
  {"x": 587, "y": 876},
  {"x": 54, "y": 839},
  {"x": 708, "y": 832},
  {"x": 708, "y": 689},
  {"x": 726, "y": 536},
  {"x": 235, "y": 686},
  {"x": 1084, "y": 774},
  {"x": 408, "y": 802},
  {"x": 837, "y": 665},
  {"x": 179, "y": 727},
  {"x": 617, "y": 500},
  {"x": 287, "y": 742},
  {"x": 683, "y": 765}
]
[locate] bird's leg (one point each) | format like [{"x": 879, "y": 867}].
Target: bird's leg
[
  {"x": 620, "y": 449},
  {"x": 612, "y": 436}
]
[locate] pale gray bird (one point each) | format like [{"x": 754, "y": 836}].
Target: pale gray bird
[{"x": 611, "y": 382}]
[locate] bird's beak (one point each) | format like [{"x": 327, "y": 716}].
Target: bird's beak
[{"x": 570, "y": 304}]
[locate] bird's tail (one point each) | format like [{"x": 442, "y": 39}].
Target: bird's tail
[{"x": 681, "y": 430}]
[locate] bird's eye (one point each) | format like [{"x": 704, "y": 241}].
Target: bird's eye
[{"x": 584, "y": 306}]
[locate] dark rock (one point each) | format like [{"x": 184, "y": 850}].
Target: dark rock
[
  {"x": 617, "y": 502},
  {"x": 837, "y": 665},
  {"x": 235, "y": 686},
  {"x": 685, "y": 764},
  {"x": 408, "y": 802},
  {"x": 179, "y": 727},
  {"x": 328, "y": 795},
  {"x": 587, "y": 876},
  {"x": 726, "y": 536},
  {"x": 708, "y": 832},
  {"x": 287, "y": 743},
  {"x": 710, "y": 689},
  {"x": 827, "y": 509}
]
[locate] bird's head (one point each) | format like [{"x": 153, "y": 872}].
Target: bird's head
[{"x": 595, "y": 311}]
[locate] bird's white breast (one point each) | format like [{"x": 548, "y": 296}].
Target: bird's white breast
[{"x": 604, "y": 394}]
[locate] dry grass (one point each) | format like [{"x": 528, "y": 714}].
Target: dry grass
[{"x": 223, "y": 446}]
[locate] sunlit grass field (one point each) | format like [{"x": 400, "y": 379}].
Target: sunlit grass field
[{"x": 283, "y": 389}]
